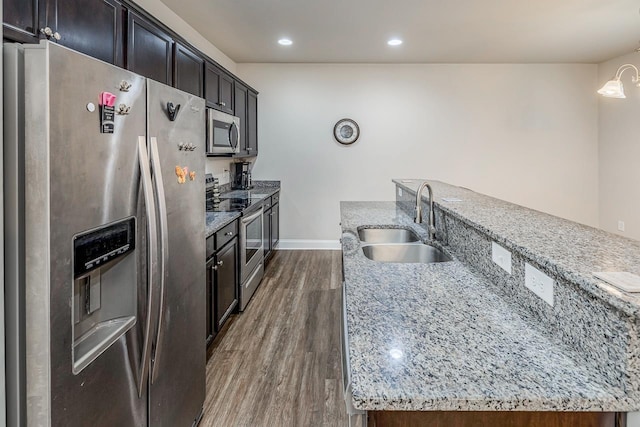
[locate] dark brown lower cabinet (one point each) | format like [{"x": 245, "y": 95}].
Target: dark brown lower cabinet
[
  {"x": 210, "y": 295},
  {"x": 225, "y": 282},
  {"x": 495, "y": 419},
  {"x": 222, "y": 286},
  {"x": 271, "y": 224}
]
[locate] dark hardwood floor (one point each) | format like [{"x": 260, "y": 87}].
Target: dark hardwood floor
[{"x": 278, "y": 363}]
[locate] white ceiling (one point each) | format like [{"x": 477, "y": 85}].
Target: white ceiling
[{"x": 434, "y": 31}]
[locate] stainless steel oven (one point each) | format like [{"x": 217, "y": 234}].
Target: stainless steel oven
[
  {"x": 223, "y": 133},
  {"x": 251, "y": 255}
]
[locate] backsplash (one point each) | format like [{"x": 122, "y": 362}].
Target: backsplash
[{"x": 219, "y": 168}]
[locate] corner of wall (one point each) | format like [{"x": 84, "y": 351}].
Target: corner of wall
[
  {"x": 180, "y": 26},
  {"x": 619, "y": 152}
]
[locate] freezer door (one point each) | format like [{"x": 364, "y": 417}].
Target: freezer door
[
  {"x": 176, "y": 125},
  {"x": 78, "y": 180}
]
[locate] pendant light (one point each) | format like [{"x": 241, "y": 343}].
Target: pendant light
[{"x": 613, "y": 88}]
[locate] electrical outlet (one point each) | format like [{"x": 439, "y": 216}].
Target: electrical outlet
[
  {"x": 399, "y": 191},
  {"x": 620, "y": 225},
  {"x": 501, "y": 256},
  {"x": 539, "y": 283}
]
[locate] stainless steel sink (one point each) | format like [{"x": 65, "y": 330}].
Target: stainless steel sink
[
  {"x": 412, "y": 253},
  {"x": 387, "y": 235}
]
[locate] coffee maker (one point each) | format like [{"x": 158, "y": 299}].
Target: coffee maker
[{"x": 241, "y": 173}]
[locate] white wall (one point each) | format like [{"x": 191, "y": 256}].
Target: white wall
[
  {"x": 619, "y": 152},
  {"x": 524, "y": 133}
]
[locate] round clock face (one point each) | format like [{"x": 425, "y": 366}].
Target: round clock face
[{"x": 346, "y": 131}]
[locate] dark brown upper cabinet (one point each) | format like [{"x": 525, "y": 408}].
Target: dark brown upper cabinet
[
  {"x": 188, "y": 70},
  {"x": 120, "y": 33},
  {"x": 252, "y": 123},
  {"x": 93, "y": 27},
  {"x": 149, "y": 50},
  {"x": 240, "y": 110},
  {"x": 218, "y": 88},
  {"x": 21, "y": 20}
]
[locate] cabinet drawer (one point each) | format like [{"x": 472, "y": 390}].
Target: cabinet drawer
[
  {"x": 225, "y": 234},
  {"x": 275, "y": 198},
  {"x": 266, "y": 205}
]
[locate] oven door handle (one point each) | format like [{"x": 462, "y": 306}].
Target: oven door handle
[{"x": 247, "y": 219}]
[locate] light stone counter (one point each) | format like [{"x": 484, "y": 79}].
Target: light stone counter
[{"x": 447, "y": 337}]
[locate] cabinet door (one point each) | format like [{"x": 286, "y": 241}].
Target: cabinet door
[
  {"x": 266, "y": 232},
  {"x": 188, "y": 70},
  {"x": 252, "y": 123},
  {"x": 93, "y": 27},
  {"x": 149, "y": 50},
  {"x": 21, "y": 20},
  {"x": 210, "y": 295},
  {"x": 226, "y": 93},
  {"x": 275, "y": 226},
  {"x": 226, "y": 282},
  {"x": 240, "y": 110},
  {"x": 218, "y": 88},
  {"x": 212, "y": 85}
]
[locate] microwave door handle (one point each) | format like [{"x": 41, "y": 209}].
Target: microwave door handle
[
  {"x": 164, "y": 251},
  {"x": 234, "y": 128},
  {"x": 152, "y": 260}
]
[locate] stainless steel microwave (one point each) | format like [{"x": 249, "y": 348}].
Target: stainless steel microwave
[{"x": 223, "y": 133}]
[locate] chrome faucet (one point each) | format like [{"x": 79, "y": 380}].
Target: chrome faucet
[{"x": 418, "y": 218}]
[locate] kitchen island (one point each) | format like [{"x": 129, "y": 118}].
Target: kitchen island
[{"x": 467, "y": 336}]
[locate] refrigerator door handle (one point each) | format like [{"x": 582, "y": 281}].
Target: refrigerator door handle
[
  {"x": 164, "y": 251},
  {"x": 145, "y": 173}
]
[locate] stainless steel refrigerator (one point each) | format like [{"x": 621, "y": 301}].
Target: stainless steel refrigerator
[{"x": 104, "y": 204}]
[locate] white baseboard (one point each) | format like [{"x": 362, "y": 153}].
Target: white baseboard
[{"x": 298, "y": 244}]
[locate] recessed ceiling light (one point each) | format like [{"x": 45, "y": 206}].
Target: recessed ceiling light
[
  {"x": 285, "y": 42},
  {"x": 394, "y": 42}
]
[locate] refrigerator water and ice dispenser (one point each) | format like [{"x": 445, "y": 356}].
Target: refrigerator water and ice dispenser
[{"x": 104, "y": 289}]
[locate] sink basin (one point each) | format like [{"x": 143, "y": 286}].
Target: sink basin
[
  {"x": 387, "y": 235},
  {"x": 405, "y": 253}
]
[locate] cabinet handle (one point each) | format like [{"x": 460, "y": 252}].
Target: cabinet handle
[
  {"x": 222, "y": 104},
  {"x": 249, "y": 149},
  {"x": 267, "y": 206},
  {"x": 215, "y": 267},
  {"x": 230, "y": 233},
  {"x": 271, "y": 214},
  {"x": 220, "y": 263},
  {"x": 49, "y": 33}
]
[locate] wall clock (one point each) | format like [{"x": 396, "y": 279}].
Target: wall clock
[{"x": 346, "y": 131}]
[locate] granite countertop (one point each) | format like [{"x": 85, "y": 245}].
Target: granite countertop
[
  {"x": 572, "y": 251},
  {"x": 435, "y": 337},
  {"x": 261, "y": 190},
  {"x": 216, "y": 220}
]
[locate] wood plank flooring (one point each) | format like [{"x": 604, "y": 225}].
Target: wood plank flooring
[{"x": 278, "y": 363}]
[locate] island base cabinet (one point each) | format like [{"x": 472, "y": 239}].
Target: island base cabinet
[{"x": 495, "y": 419}]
